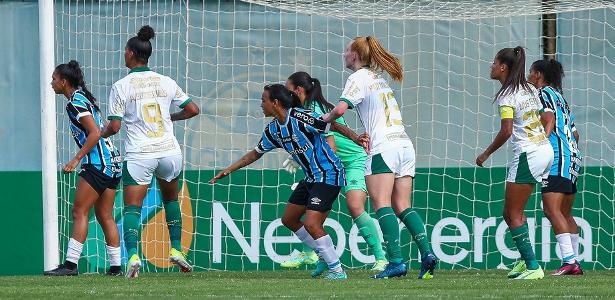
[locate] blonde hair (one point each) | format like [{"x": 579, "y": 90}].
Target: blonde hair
[{"x": 373, "y": 54}]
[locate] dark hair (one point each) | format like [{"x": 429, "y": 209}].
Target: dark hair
[
  {"x": 140, "y": 44},
  {"x": 279, "y": 92},
  {"x": 313, "y": 89},
  {"x": 514, "y": 58},
  {"x": 71, "y": 72},
  {"x": 552, "y": 72}
]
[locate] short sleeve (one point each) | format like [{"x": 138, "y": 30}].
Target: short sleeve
[
  {"x": 547, "y": 102},
  {"x": 78, "y": 109},
  {"x": 267, "y": 142},
  {"x": 180, "y": 99},
  {"x": 117, "y": 104},
  {"x": 311, "y": 121},
  {"x": 353, "y": 93}
]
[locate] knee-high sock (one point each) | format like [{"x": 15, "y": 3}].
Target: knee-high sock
[
  {"x": 368, "y": 230},
  {"x": 522, "y": 240},
  {"x": 173, "y": 217},
  {"x": 415, "y": 225},
  {"x": 390, "y": 231},
  {"x": 132, "y": 228},
  {"x": 326, "y": 251}
]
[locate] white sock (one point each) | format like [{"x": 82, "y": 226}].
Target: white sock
[
  {"x": 73, "y": 253},
  {"x": 565, "y": 246},
  {"x": 326, "y": 251},
  {"x": 305, "y": 237},
  {"x": 114, "y": 255},
  {"x": 574, "y": 238}
]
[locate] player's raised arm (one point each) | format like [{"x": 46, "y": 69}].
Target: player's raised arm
[{"x": 245, "y": 160}]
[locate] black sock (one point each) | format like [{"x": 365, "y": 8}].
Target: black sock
[
  {"x": 115, "y": 269},
  {"x": 70, "y": 265}
]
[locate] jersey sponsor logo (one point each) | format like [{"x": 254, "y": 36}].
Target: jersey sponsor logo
[
  {"x": 301, "y": 150},
  {"x": 303, "y": 117},
  {"x": 287, "y": 139}
]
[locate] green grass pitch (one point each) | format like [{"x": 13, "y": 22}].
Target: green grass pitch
[{"x": 467, "y": 284}]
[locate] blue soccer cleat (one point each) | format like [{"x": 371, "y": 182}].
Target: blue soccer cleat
[
  {"x": 392, "y": 270},
  {"x": 428, "y": 265}
]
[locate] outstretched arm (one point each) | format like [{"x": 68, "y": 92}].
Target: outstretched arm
[
  {"x": 506, "y": 127},
  {"x": 338, "y": 111},
  {"x": 247, "y": 159}
]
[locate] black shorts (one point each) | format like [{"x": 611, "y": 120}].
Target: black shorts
[
  {"x": 98, "y": 180},
  {"x": 315, "y": 196},
  {"x": 558, "y": 184}
]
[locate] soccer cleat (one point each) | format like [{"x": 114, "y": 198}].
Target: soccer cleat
[
  {"x": 392, "y": 270},
  {"x": 321, "y": 266},
  {"x": 568, "y": 269},
  {"x": 531, "y": 274},
  {"x": 133, "y": 266},
  {"x": 304, "y": 258},
  {"x": 62, "y": 270},
  {"x": 336, "y": 275},
  {"x": 517, "y": 269},
  {"x": 380, "y": 265},
  {"x": 428, "y": 266},
  {"x": 114, "y": 271},
  {"x": 179, "y": 259}
]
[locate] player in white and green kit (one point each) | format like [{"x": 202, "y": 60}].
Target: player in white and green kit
[
  {"x": 519, "y": 106},
  {"x": 390, "y": 165},
  {"x": 142, "y": 100},
  {"x": 353, "y": 158}
]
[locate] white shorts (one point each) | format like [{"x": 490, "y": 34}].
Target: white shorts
[
  {"x": 531, "y": 167},
  {"x": 399, "y": 161},
  {"x": 141, "y": 171}
]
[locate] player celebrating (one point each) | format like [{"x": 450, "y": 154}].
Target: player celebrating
[
  {"x": 519, "y": 106},
  {"x": 559, "y": 189},
  {"x": 100, "y": 170},
  {"x": 391, "y": 162},
  {"x": 142, "y": 100},
  {"x": 299, "y": 132},
  {"x": 353, "y": 158}
]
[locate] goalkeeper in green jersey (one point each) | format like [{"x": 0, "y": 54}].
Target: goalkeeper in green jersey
[{"x": 353, "y": 158}]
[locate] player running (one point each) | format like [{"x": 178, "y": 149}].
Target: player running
[
  {"x": 353, "y": 158},
  {"x": 559, "y": 189},
  {"x": 142, "y": 99},
  {"x": 390, "y": 165},
  {"x": 519, "y": 106},
  {"x": 100, "y": 170},
  {"x": 300, "y": 133}
]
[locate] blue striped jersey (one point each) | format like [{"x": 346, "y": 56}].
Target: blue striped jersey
[
  {"x": 103, "y": 156},
  {"x": 301, "y": 135},
  {"x": 567, "y": 160}
]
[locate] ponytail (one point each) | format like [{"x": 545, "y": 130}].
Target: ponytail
[
  {"x": 514, "y": 58},
  {"x": 552, "y": 72},
  {"x": 313, "y": 89},
  {"x": 372, "y": 53},
  {"x": 71, "y": 72}
]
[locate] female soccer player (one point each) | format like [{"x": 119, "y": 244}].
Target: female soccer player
[
  {"x": 100, "y": 169},
  {"x": 142, "y": 100},
  {"x": 519, "y": 106},
  {"x": 559, "y": 189},
  {"x": 391, "y": 161},
  {"x": 353, "y": 158},
  {"x": 299, "y": 132}
]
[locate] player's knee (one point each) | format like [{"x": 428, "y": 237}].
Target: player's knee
[{"x": 79, "y": 213}]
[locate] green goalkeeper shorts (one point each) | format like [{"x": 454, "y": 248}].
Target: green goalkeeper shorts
[{"x": 355, "y": 174}]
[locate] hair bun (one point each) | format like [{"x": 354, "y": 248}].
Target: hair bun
[
  {"x": 73, "y": 64},
  {"x": 146, "y": 33}
]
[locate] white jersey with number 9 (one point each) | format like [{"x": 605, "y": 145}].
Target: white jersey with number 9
[
  {"x": 142, "y": 101},
  {"x": 370, "y": 94}
]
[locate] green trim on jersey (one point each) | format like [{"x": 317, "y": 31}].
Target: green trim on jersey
[
  {"x": 350, "y": 105},
  {"x": 139, "y": 69},
  {"x": 524, "y": 175},
  {"x": 379, "y": 166},
  {"x": 126, "y": 178},
  {"x": 185, "y": 103},
  {"x": 114, "y": 118}
]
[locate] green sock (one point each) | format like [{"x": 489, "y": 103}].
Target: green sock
[
  {"x": 132, "y": 228},
  {"x": 173, "y": 216},
  {"x": 390, "y": 231},
  {"x": 522, "y": 240},
  {"x": 415, "y": 225},
  {"x": 367, "y": 229}
]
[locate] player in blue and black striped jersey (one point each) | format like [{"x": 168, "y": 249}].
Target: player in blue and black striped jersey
[
  {"x": 559, "y": 189},
  {"x": 300, "y": 133},
  {"x": 100, "y": 169}
]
